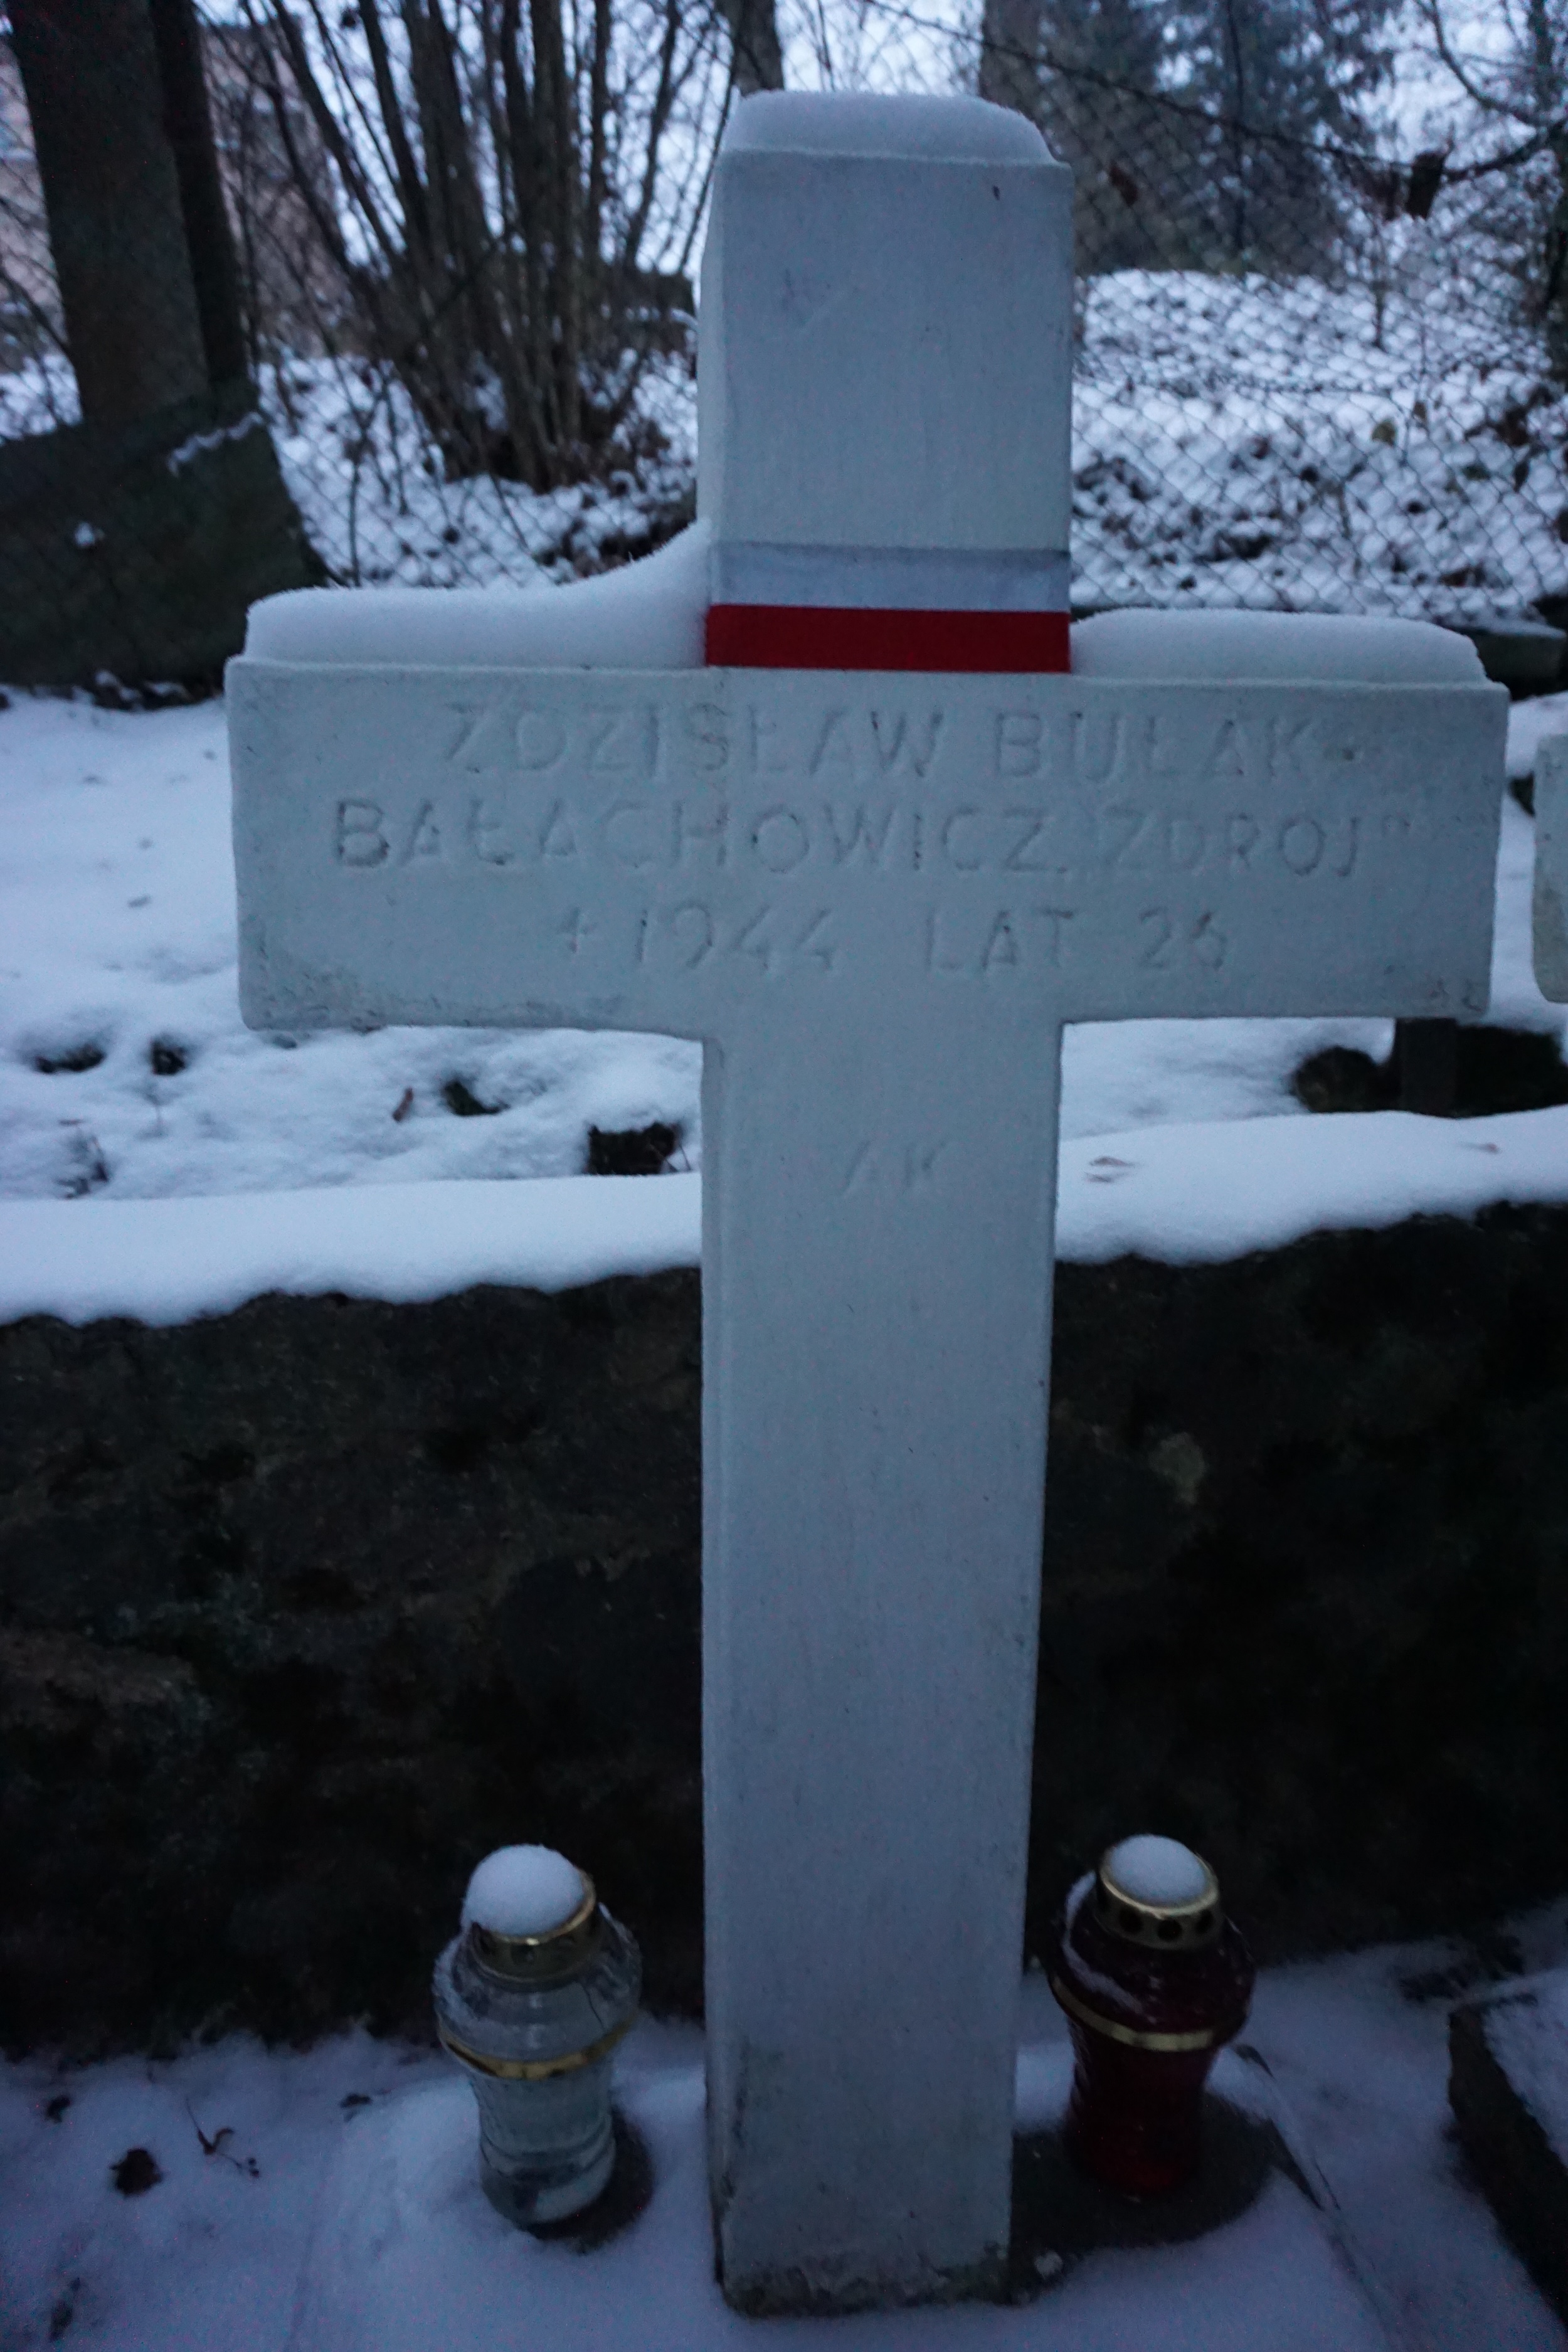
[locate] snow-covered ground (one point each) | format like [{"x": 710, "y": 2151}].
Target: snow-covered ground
[
  {"x": 117, "y": 941},
  {"x": 1258, "y": 441},
  {"x": 373, "y": 496},
  {"x": 126, "y": 1077},
  {"x": 378, "y": 509},
  {"x": 327, "y": 2201},
  {"x": 1243, "y": 440},
  {"x": 1237, "y": 440}
]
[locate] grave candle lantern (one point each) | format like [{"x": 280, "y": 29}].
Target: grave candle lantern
[
  {"x": 1153, "y": 1979},
  {"x": 531, "y": 2000}
]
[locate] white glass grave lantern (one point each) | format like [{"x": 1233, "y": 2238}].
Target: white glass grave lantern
[{"x": 531, "y": 2000}]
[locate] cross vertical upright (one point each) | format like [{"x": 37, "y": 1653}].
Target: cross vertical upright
[
  {"x": 875, "y": 894},
  {"x": 883, "y": 465}
]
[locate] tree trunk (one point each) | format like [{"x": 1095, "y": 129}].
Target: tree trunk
[
  {"x": 1009, "y": 55},
  {"x": 187, "y": 120},
  {"x": 111, "y": 191},
  {"x": 756, "y": 60}
]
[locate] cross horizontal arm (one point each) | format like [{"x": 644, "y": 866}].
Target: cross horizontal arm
[{"x": 684, "y": 851}]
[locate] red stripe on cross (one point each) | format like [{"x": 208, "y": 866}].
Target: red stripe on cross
[{"x": 821, "y": 636}]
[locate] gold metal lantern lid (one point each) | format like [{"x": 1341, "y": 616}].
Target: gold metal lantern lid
[
  {"x": 513, "y": 1953},
  {"x": 1153, "y": 1892},
  {"x": 529, "y": 1910}
]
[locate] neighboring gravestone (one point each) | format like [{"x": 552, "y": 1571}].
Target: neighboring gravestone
[
  {"x": 1550, "y": 911},
  {"x": 136, "y": 550},
  {"x": 875, "y": 898},
  {"x": 1508, "y": 2085}
]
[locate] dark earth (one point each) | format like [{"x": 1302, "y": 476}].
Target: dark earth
[{"x": 305, "y": 1607}]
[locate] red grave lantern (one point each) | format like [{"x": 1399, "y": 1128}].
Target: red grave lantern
[{"x": 1154, "y": 1980}]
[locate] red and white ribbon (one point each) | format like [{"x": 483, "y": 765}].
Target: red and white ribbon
[{"x": 786, "y": 607}]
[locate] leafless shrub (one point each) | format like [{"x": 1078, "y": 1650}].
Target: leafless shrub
[{"x": 502, "y": 204}]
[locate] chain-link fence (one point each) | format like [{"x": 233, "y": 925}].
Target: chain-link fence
[{"x": 1310, "y": 374}]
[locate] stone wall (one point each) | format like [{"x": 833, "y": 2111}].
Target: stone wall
[{"x": 304, "y": 1606}]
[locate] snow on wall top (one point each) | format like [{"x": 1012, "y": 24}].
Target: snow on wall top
[
  {"x": 1190, "y": 1195},
  {"x": 941, "y": 130},
  {"x": 1273, "y": 646}
]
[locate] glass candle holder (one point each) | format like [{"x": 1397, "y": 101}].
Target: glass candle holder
[{"x": 533, "y": 2020}]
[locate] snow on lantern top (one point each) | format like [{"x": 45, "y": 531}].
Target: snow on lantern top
[
  {"x": 522, "y": 1890},
  {"x": 1156, "y": 1870}
]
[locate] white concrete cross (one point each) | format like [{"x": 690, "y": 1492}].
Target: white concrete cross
[{"x": 875, "y": 896}]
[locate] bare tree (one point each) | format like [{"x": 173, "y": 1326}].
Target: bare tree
[
  {"x": 509, "y": 198},
  {"x": 293, "y": 298},
  {"x": 1522, "y": 82},
  {"x": 111, "y": 191},
  {"x": 756, "y": 59},
  {"x": 1101, "y": 107},
  {"x": 187, "y": 125},
  {"x": 1010, "y": 33}
]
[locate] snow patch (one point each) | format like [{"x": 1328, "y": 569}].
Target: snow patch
[
  {"x": 1156, "y": 1870},
  {"x": 1527, "y": 2026},
  {"x": 650, "y": 615},
  {"x": 170, "y": 1261},
  {"x": 646, "y": 615},
  {"x": 857, "y": 122},
  {"x": 1529, "y": 725},
  {"x": 1196, "y": 1195},
  {"x": 1272, "y": 646},
  {"x": 363, "y": 2227},
  {"x": 198, "y": 443},
  {"x": 522, "y": 1890}
]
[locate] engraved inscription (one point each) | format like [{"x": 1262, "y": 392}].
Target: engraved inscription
[
  {"x": 487, "y": 834},
  {"x": 1100, "y": 749},
  {"x": 1168, "y": 939},
  {"x": 681, "y": 938},
  {"x": 900, "y": 742},
  {"x": 1009, "y": 939},
  {"x": 847, "y": 744},
  {"x": 423, "y": 836},
  {"x": 1085, "y": 747},
  {"x": 859, "y": 832},
  {"x": 1078, "y": 847},
  {"x": 779, "y": 840},
  {"x": 358, "y": 838},
  {"x": 539, "y": 741},
  {"x": 509, "y": 826},
  {"x": 692, "y": 928},
  {"x": 906, "y": 1166}
]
